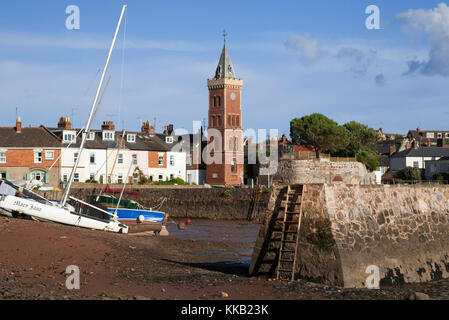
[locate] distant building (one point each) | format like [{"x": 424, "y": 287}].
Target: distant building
[
  {"x": 434, "y": 167},
  {"x": 416, "y": 157},
  {"x": 29, "y": 153},
  {"x": 430, "y": 138},
  {"x": 110, "y": 156},
  {"x": 225, "y": 119}
]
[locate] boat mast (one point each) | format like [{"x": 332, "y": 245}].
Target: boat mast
[{"x": 72, "y": 174}]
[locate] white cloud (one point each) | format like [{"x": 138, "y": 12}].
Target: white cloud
[
  {"x": 435, "y": 24},
  {"x": 307, "y": 47}
]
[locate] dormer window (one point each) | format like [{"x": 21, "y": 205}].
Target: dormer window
[
  {"x": 108, "y": 135},
  {"x": 69, "y": 136},
  {"x": 131, "y": 138},
  {"x": 168, "y": 139},
  {"x": 90, "y": 136}
]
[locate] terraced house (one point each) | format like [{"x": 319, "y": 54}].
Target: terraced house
[
  {"x": 115, "y": 157},
  {"x": 30, "y": 153}
]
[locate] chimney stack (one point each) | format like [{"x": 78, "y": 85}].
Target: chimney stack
[
  {"x": 64, "y": 123},
  {"x": 147, "y": 128},
  {"x": 108, "y": 125},
  {"x": 19, "y": 125},
  {"x": 168, "y": 130}
]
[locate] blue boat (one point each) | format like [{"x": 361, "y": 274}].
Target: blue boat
[{"x": 131, "y": 213}]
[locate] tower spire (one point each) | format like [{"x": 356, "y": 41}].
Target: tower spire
[
  {"x": 225, "y": 68},
  {"x": 224, "y": 36}
]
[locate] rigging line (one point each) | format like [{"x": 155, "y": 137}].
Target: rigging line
[{"x": 122, "y": 71}]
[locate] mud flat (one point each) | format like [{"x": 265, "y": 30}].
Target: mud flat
[{"x": 194, "y": 264}]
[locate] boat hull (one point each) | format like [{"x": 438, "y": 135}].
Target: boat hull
[
  {"x": 152, "y": 220},
  {"x": 56, "y": 214}
]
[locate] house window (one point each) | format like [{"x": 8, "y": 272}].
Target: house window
[
  {"x": 169, "y": 139},
  {"x": 92, "y": 158},
  {"x": 75, "y": 156},
  {"x": 120, "y": 158},
  {"x": 91, "y": 136},
  {"x": 439, "y": 135},
  {"x": 131, "y": 138},
  {"x": 37, "y": 156},
  {"x": 172, "y": 177},
  {"x": 2, "y": 156},
  {"x": 161, "y": 159},
  {"x": 92, "y": 176},
  {"x": 233, "y": 168},
  {"x": 215, "y": 101},
  {"x": 2, "y": 175},
  {"x": 108, "y": 135},
  {"x": 38, "y": 176},
  {"x": 49, "y": 155},
  {"x": 161, "y": 178},
  {"x": 430, "y": 135},
  {"x": 64, "y": 178},
  {"x": 172, "y": 160},
  {"x": 415, "y": 164},
  {"x": 76, "y": 177},
  {"x": 69, "y": 137},
  {"x": 215, "y": 175},
  {"x": 120, "y": 178},
  {"x": 134, "y": 158},
  {"x": 219, "y": 101}
]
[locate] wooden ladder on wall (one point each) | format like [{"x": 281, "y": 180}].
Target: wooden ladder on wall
[{"x": 291, "y": 223}]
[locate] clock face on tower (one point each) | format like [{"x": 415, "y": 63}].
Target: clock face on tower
[{"x": 233, "y": 96}]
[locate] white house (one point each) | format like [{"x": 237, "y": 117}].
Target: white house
[{"x": 416, "y": 157}]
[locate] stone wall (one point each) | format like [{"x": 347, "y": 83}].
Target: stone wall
[
  {"x": 403, "y": 230},
  {"x": 322, "y": 171},
  {"x": 187, "y": 202}
]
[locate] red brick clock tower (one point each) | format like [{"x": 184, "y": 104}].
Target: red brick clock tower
[{"x": 225, "y": 134}]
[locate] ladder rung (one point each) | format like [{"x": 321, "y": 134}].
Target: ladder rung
[
  {"x": 284, "y": 260},
  {"x": 287, "y": 250},
  {"x": 289, "y": 241},
  {"x": 290, "y": 231},
  {"x": 291, "y": 212},
  {"x": 291, "y": 222},
  {"x": 284, "y": 270}
]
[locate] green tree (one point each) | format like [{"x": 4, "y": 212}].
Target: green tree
[
  {"x": 320, "y": 132},
  {"x": 361, "y": 137},
  {"x": 409, "y": 173}
]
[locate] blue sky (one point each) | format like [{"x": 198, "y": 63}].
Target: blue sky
[{"x": 296, "y": 58}]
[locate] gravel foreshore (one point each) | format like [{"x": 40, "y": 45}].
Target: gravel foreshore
[{"x": 35, "y": 255}]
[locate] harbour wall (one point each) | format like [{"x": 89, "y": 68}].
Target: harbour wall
[
  {"x": 184, "y": 201},
  {"x": 349, "y": 230}
]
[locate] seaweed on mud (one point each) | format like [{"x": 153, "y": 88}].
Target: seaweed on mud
[{"x": 322, "y": 239}]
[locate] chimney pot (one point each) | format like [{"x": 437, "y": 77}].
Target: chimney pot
[
  {"x": 64, "y": 123},
  {"x": 19, "y": 125},
  {"x": 147, "y": 128},
  {"x": 108, "y": 125}
]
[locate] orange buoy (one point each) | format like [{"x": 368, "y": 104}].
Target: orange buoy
[
  {"x": 188, "y": 221},
  {"x": 181, "y": 226}
]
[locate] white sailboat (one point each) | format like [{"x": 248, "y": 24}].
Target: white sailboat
[{"x": 17, "y": 200}]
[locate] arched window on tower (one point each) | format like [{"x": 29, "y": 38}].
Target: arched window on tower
[
  {"x": 237, "y": 121},
  {"x": 229, "y": 120},
  {"x": 219, "y": 101},
  {"x": 215, "y": 101}
]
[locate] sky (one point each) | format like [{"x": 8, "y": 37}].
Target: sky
[{"x": 295, "y": 57}]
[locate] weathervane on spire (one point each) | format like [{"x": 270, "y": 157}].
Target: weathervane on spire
[{"x": 224, "y": 35}]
